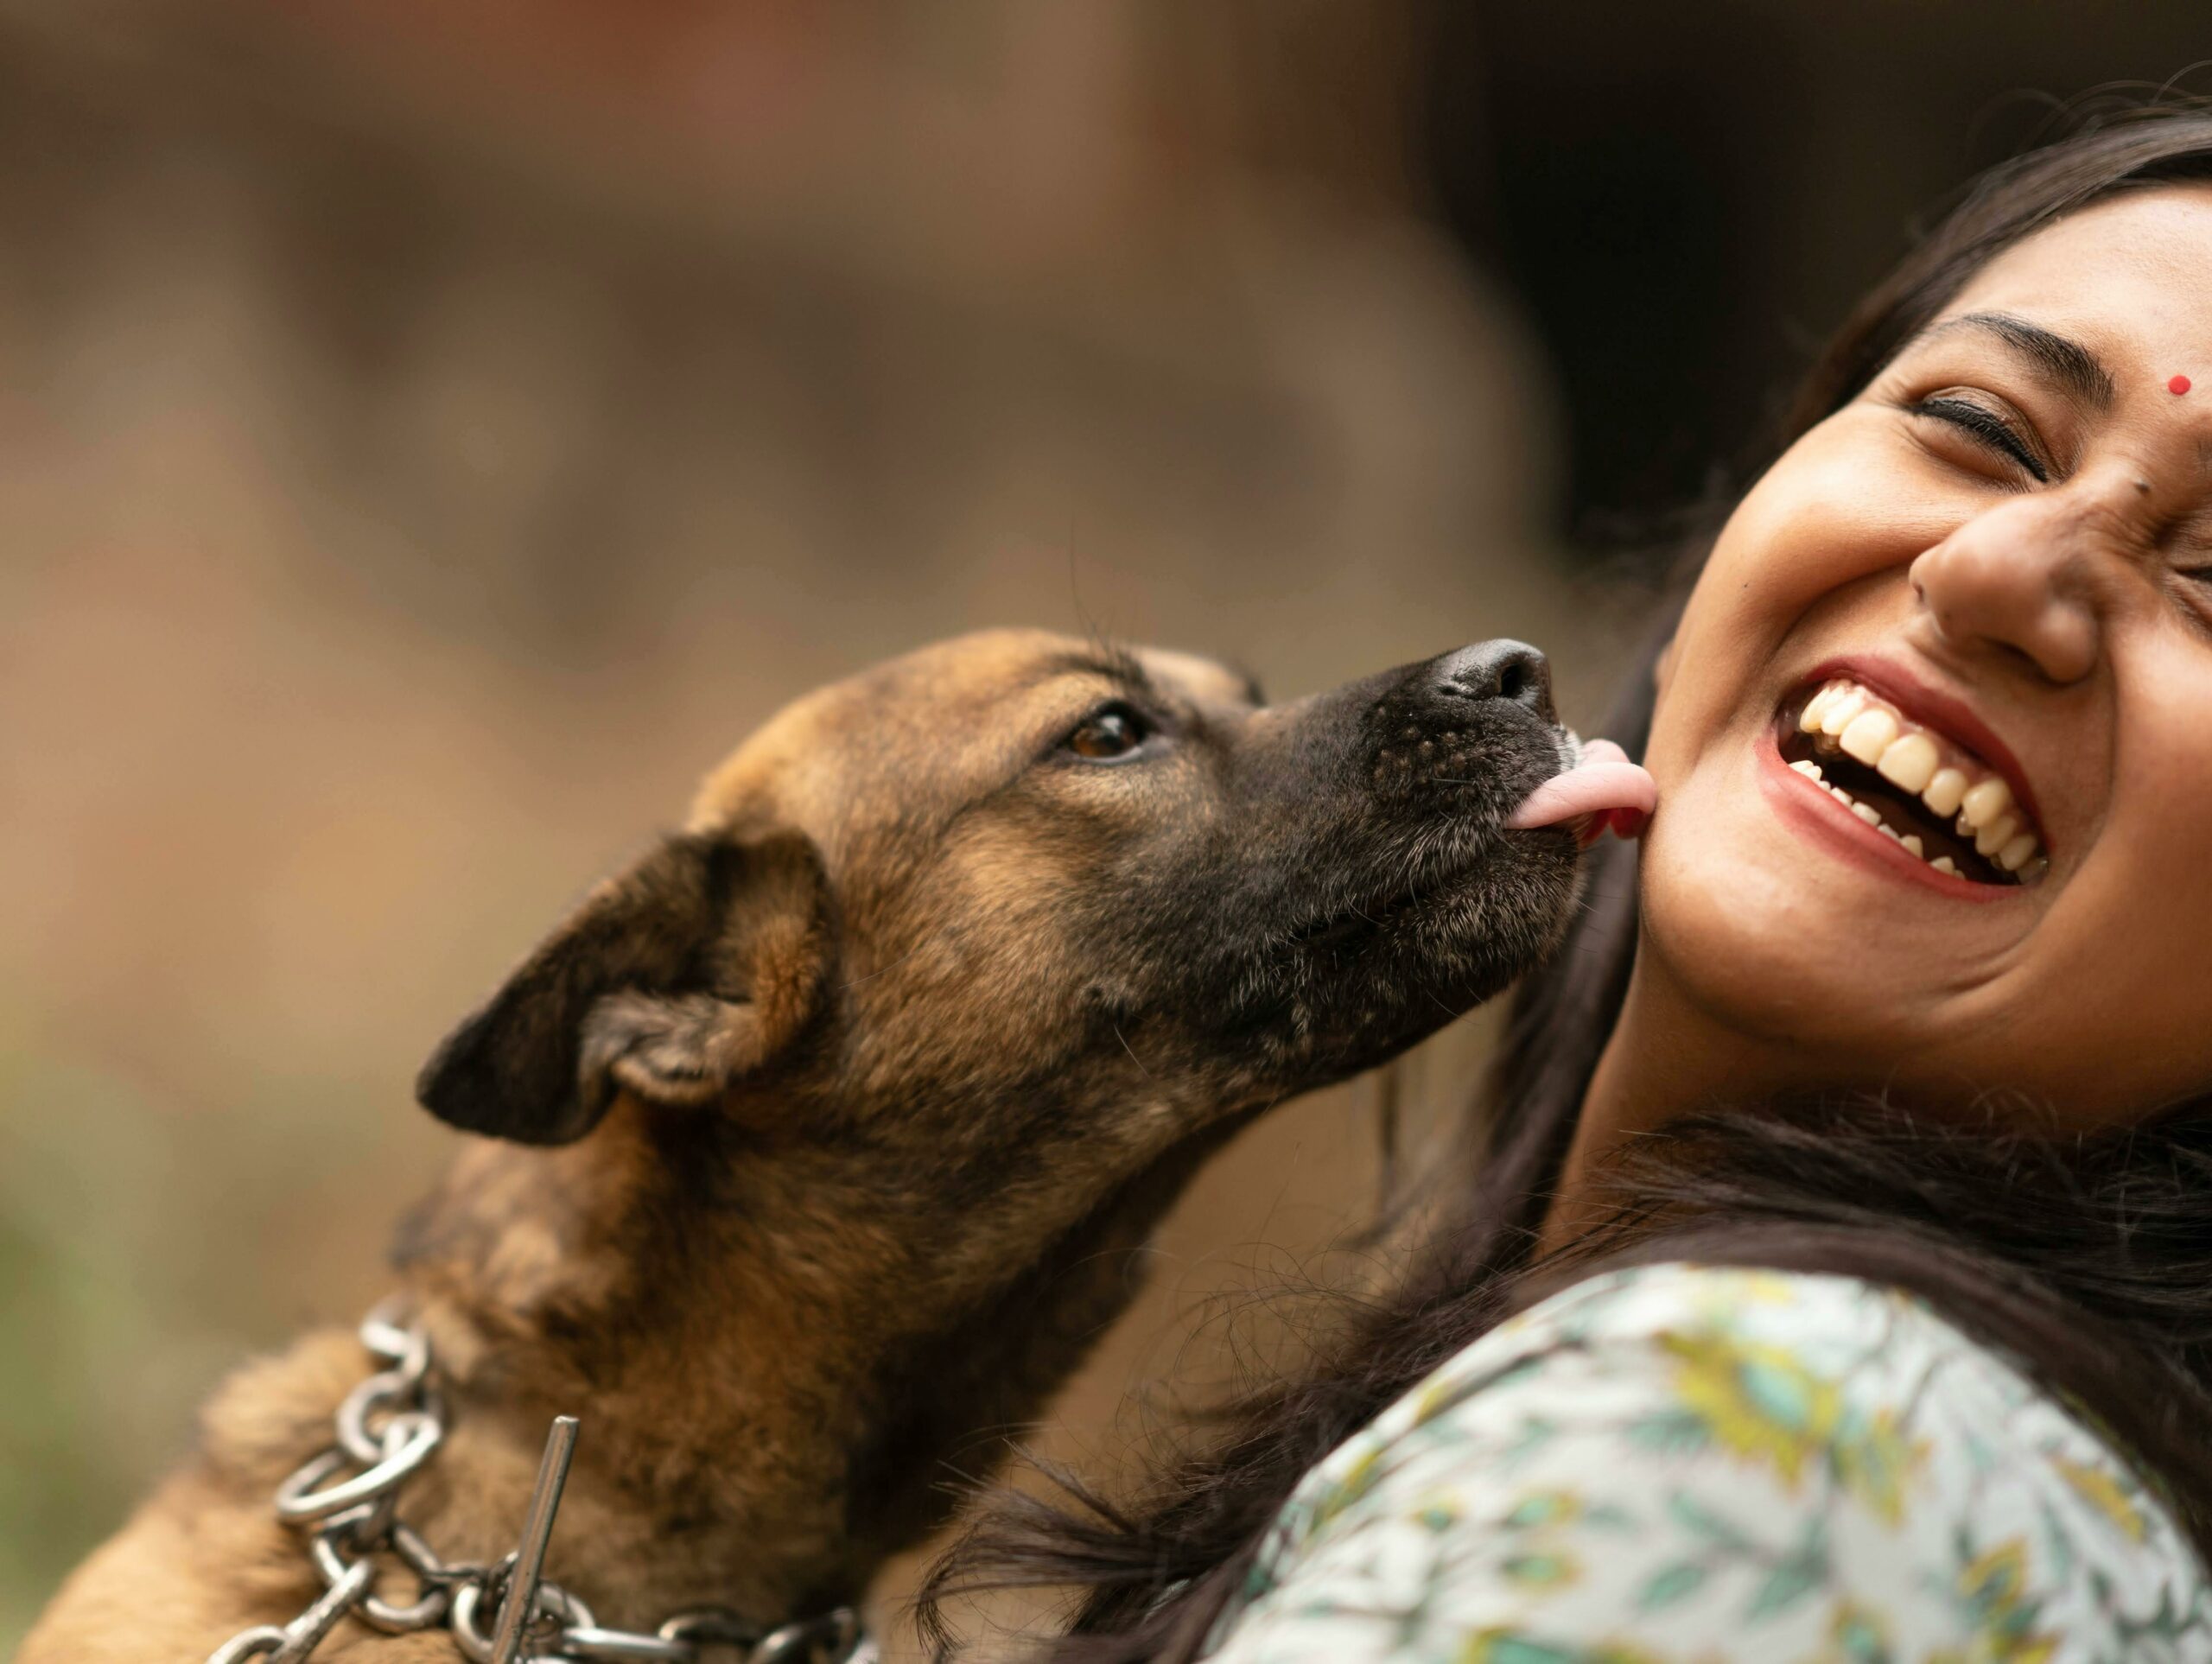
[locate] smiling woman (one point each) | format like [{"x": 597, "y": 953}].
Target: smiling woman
[
  {"x": 1900, "y": 1011},
  {"x": 1999, "y": 544}
]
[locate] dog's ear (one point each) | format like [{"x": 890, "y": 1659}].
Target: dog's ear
[{"x": 674, "y": 979}]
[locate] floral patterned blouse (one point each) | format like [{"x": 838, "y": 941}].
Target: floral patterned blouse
[{"x": 1681, "y": 1464}]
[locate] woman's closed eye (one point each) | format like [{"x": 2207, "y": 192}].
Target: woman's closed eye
[
  {"x": 2197, "y": 599},
  {"x": 1992, "y": 431}
]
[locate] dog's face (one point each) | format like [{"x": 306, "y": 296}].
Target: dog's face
[{"x": 1019, "y": 888}]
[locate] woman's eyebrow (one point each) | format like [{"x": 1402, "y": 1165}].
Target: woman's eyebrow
[{"x": 2077, "y": 370}]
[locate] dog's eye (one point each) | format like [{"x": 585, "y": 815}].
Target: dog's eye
[{"x": 1109, "y": 734}]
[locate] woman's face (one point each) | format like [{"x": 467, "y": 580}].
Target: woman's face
[{"x": 1998, "y": 561}]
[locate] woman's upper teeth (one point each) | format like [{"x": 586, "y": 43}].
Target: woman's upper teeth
[{"x": 1946, "y": 777}]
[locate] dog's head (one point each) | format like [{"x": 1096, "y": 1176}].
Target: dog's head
[{"x": 1111, "y": 891}]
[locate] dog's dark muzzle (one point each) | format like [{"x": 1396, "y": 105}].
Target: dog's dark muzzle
[
  {"x": 1476, "y": 719},
  {"x": 1375, "y": 888},
  {"x": 1362, "y": 886},
  {"x": 1468, "y": 734}
]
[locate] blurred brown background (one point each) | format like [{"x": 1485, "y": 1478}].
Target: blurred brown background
[{"x": 430, "y": 434}]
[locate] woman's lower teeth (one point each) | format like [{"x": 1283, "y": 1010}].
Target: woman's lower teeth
[{"x": 2008, "y": 848}]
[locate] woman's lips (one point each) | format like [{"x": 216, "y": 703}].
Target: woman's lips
[
  {"x": 1813, "y": 812},
  {"x": 1937, "y": 776},
  {"x": 1605, "y": 786}
]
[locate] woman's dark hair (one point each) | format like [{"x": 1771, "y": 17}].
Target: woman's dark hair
[{"x": 2088, "y": 1257}]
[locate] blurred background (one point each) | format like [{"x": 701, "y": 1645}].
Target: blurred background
[{"x": 430, "y": 435}]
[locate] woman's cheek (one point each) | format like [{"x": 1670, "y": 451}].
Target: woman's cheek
[
  {"x": 1846, "y": 504},
  {"x": 1764, "y": 573},
  {"x": 1848, "y": 501}
]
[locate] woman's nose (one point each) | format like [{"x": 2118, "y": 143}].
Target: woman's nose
[{"x": 2018, "y": 577}]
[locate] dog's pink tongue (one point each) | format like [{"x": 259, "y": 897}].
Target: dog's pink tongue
[{"x": 1605, "y": 783}]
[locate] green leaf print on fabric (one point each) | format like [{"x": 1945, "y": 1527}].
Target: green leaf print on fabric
[
  {"x": 1856, "y": 1636},
  {"x": 1681, "y": 1464},
  {"x": 1674, "y": 1431},
  {"x": 1541, "y": 1507},
  {"x": 1671, "y": 1583},
  {"x": 1784, "y": 1586},
  {"x": 1803, "y": 1570},
  {"x": 1503, "y": 1647},
  {"x": 1540, "y": 1570},
  {"x": 1995, "y": 1589},
  {"x": 1687, "y": 1511},
  {"x": 1766, "y": 1404}
]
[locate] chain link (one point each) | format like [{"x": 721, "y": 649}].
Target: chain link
[{"x": 344, "y": 1499}]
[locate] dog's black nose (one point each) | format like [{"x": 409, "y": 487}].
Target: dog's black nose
[{"x": 1499, "y": 669}]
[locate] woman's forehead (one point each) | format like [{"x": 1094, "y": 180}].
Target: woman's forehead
[{"x": 2142, "y": 261}]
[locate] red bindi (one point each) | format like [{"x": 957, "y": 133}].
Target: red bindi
[{"x": 2178, "y": 384}]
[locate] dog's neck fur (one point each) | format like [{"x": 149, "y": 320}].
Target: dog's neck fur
[{"x": 780, "y": 1355}]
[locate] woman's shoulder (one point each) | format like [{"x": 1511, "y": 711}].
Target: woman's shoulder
[{"x": 1682, "y": 1457}]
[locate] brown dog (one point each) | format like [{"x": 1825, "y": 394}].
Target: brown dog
[{"x": 817, "y": 1140}]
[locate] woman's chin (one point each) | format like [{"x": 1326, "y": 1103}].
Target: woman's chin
[{"x": 1785, "y": 942}]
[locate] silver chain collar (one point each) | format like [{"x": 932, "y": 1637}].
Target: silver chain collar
[{"x": 344, "y": 1499}]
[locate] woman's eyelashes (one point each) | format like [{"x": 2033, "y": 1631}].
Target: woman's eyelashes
[
  {"x": 2198, "y": 581},
  {"x": 1992, "y": 431}
]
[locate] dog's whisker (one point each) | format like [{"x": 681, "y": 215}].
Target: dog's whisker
[
  {"x": 880, "y": 969},
  {"x": 1131, "y": 1049}
]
